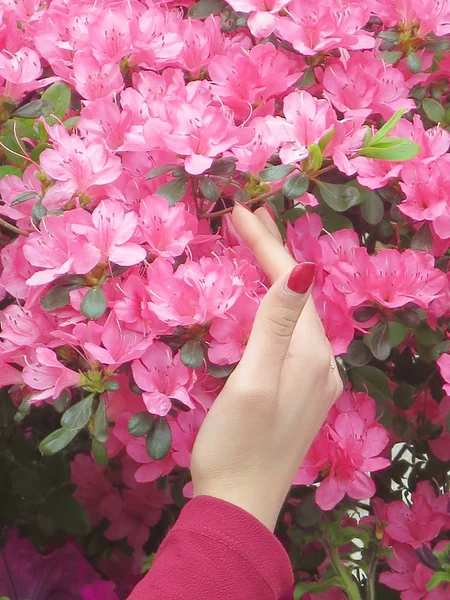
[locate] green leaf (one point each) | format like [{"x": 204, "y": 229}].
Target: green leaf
[
  {"x": 174, "y": 190},
  {"x": 404, "y": 396},
  {"x": 101, "y": 429},
  {"x": 209, "y": 189},
  {"x": 380, "y": 341},
  {"x": 372, "y": 381},
  {"x": 205, "y": 8},
  {"x": 57, "y": 441},
  {"x": 423, "y": 239},
  {"x": 159, "y": 439},
  {"x": 27, "y": 483},
  {"x": 296, "y": 186},
  {"x": 71, "y": 122},
  {"x": 140, "y": 424},
  {"x": 220, "y": 371},
  {"x": 58, "y": 95},
  {"x": 307, "y": 79},
  {"x": 93, "y": 305},
  {"x": 38, "y": 212},
  {"x": 317, "y": 588},
  {"x": 32, "y": 110},
  {"x": 314, "y": 160},
  {"x": 58, "y": 295},
  {"x": 358, "y": 354},
  {"x": 23, "y": 410},
  {"x": 326, "y": 139},
  {"x": 99, "y": 453},
  {"x": 222, "y": 166},
  {"x": 160, "y": 170},
  {"x": 414, "y": 62},
  {"x": 392, "y": 149},
  {"x": 390, "y": 35},
  {"x": 427, "y": 336},
  {"x": 23, "y": 197},
  {"x": 372, "y": 208},
  {"x": 8, "y": 170},
  {"x": 340, "y": 197},
  {"x": 78, "y": 415},
  {"x": 364, "y": 314},
  {"x": 434, "y": 110},
  {"x": 391, "y": 57},
  {"x": 307, "y": 513},
  {"x": 387, "y": 127},
  {"x": 111, "y": 386},
  {"x": 437, "y": 579},
  {"x": 192, "y": 354},
  {"x": 397, "y": 333},
  {"x": 67, "y": 513},
  {"x": 275, "y": 172}
]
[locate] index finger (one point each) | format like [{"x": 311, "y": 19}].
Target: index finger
[{"x": 270, "y": 253}]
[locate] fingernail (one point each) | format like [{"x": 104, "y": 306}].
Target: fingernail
[
  {"x": 242, "y": 204},
  {"x": 301, "y": 278}
]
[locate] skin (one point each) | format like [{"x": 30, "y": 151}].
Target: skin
[{"x": 262, "y": 424}]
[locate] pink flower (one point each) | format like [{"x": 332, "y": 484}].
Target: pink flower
[
  {"x": 77, "y": 168},
  {"x": 347, "y": 448},
  {"x": 230, "y": 333},
  {"x": 365, "y": 83},
  {"x": 95, "y": 79},
  {"x": 421, "y": 522},
  {"x": 313, "y": 28},
  {"x": 201, "y": 131},
  {"x": 430, "y": 15},
  {"x": 119, "y": 345},
  {"x": 47, "y": 374},
  {"x": 131, "y": 514},
  {"x": 16, "y": 268},
  {"x": 100, "y": 590},
  {"x": 309, "y": 120},
  {"x": 195, "y": 293},
  {"x": 444, "y": 366},
  {"x": 58, "y": 250},
  {"x": 167, "y": 230},
  {"x": 24, "y": 327},
  {"x": 262, "y": 19},
  {"x": 426, "y": 189},
  {"x": 92, "y": 485},
  {"x": 162, "y": 377},
  {"x": 111, "y": 231}
]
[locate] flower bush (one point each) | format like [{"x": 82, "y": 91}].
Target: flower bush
[{"x": 128, "y": 130}]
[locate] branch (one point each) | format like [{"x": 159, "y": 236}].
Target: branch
[
  {"x": 13, "y": 228},
  {"x": 225, "y": 211}
]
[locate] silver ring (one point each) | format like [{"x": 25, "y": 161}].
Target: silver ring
[{"x": 333, "y": 367}]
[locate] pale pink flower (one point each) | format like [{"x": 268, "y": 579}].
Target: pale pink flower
[
  {"x": 166, "y": 230},
  {"x": 365, "y": 83},
  {"x": 162, "y": 377},
  {"x": 196, "y": 292},
  {"x": 16, "y": 268},
  {"x": 262, "y": 19},
  {"x": 24, "y": 327},
  {"x": 203, "y": 40},
  {"x": 119, "y": 345},
  {"x": 96, "y": 78},
  {"x": 57, "y": 250},
  {"x": 231, "y": 332},
  {"x": 308, "y": 120},
  {"x": 431, "y": 16},
  {"x": 77, "y": 168},
  {"x": 313, "y": 28},
  {"x": 111, "y": 231},
  {"x": 46, "y": 374}
]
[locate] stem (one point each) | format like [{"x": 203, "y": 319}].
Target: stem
[
  {"x": 225, "y": 211},
  {"x": 351, "y": 588},
  {"x": 13, "y": 228},
  {"x": 371, "y": 577}
]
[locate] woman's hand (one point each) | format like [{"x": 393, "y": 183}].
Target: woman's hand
[{"x": 261, "y": 425}]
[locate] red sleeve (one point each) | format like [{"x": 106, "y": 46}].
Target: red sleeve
[{"x": 217, "y": 551}]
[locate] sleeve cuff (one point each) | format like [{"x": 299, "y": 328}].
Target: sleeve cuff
[{"x": 242, "y": 533}]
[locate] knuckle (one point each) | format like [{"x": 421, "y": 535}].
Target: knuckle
[{"x": 281, "y": 323}]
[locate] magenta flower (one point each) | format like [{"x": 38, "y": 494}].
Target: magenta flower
[{"x": 27, "y": 575}]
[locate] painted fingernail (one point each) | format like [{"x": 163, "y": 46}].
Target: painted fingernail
[{"x": 301, "y": 278}]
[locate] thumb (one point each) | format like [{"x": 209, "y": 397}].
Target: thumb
[{"x": 275, "y": 323}]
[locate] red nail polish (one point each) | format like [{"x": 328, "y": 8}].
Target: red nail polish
[{"x": 301, "y": 278}]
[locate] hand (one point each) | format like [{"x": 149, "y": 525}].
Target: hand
[{"x": 261, "y": 425}]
